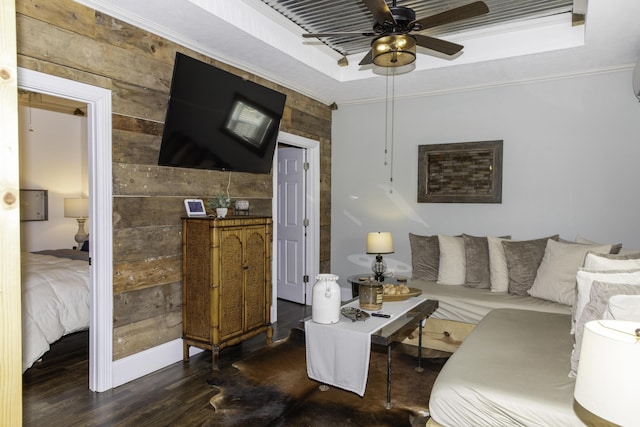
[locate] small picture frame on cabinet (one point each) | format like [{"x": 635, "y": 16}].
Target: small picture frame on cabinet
[{"x": 195, "y": 208}]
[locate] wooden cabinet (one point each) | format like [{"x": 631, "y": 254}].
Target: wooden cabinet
[{"x": 226, "y": 285}]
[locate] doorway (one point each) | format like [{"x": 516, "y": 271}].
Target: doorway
[
  {"x": 53, "y": 158},
  {"x": 311, "y": 205},
  {"x": 98, "y": 101}
]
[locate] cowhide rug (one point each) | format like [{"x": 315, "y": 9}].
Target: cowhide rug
[{"x": 271, "y": 388}]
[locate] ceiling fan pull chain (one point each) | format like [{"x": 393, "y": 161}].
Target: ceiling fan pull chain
[
  {"x": 393, "y": 111},
  {"x": 386, "y": 117},
  {"x": 389, "y": 125}
]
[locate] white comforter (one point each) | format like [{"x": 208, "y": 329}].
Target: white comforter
[
  {"x": 512, "y": 370},
  {"x": 55, "y": 302}
]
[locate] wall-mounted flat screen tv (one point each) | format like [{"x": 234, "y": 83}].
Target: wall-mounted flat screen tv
[{"x": 217, "y": 120}]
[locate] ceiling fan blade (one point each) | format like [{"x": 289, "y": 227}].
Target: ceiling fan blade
[
  {"x": 349, "y": 33},
  {"x": 367, "y": 59},
  {"x": 439, "y": 45},
  {"x": 456, "y": 14},
  {"x": 379, "y": 10}
]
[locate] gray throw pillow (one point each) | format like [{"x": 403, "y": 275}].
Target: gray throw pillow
[
  {"x": 425, "y": 257},
  {"x": 476, "y": 251},
  {"x": 594, "y": 310},
  {"x": 478, "y": 267},
  {"x": 523, "y": 259}
]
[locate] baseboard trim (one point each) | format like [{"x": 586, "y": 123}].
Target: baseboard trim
[{"x": 145, "y": 362}]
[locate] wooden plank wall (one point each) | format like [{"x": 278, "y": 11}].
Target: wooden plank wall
[{"x": 63, "y": 38}]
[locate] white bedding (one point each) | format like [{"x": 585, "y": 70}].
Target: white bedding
[
  {"x": 55, "y": 302},
  {"x": 525, "y": 383},
  {"x": 469, "y": 305}
]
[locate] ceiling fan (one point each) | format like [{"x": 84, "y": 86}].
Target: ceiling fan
[{"x": 395, "y": 28}]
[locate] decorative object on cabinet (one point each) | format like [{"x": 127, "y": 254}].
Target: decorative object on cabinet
[
  {"x": 242, "y": 207},
  {"x": 226, "y": 286},
  {"x": 78, "y": 208},
  {"x": 467, "y": 172},
  {"x": 34, "y": 205},
  {"x": 220, "y": 203},
  {"x": 195, "y": 208}
]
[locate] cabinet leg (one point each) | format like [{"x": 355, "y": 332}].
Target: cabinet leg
[
  {"x": 215, "y": 353},
  {"x": 185, "y": 351},
  {"x": 269, "y": 333}
]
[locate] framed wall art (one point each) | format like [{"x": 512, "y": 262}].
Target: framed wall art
[
  {"x": 466, "y": 172},
  {"x": 34, "y": 205}
]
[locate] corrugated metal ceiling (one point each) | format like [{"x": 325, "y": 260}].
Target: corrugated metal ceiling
[{"x": 320, "y": 16}]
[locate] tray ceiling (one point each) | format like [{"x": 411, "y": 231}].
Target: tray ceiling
[
  {"x": 517, "y": 41},
  {"x": 322, "y": 16}
]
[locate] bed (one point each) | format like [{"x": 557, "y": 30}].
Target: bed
[
  {"x": 55, "y": 299},
  {"x": 525, "y": 383},
  {"x": 471, "y": 305},
  {"x": 461, "y": 308}
]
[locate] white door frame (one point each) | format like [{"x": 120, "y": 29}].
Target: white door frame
[
  {"x": 98, "y": 102},
  {"x": 313, "y": 213}
]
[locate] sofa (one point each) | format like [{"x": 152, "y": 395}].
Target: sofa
[{"x": 516, "y": 309}]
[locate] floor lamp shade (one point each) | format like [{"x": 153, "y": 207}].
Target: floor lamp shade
[{"x": 608, "y": 380}]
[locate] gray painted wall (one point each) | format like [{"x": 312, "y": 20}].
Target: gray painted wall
[{"x": 571, "y": 152}]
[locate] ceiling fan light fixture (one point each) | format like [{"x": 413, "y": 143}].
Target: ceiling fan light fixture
[{"x": 395, "y": 50}]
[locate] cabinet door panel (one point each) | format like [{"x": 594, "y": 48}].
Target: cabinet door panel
[
  {"x": 231, "y": 283},
  {"x": 255, "y": 295},
  {"x": 197, "y": 282}
]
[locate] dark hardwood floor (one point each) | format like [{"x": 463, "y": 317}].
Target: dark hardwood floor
[{"x": 55, "y": 390}]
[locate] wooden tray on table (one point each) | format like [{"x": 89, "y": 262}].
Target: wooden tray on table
[{"x": 401, "y": 297}]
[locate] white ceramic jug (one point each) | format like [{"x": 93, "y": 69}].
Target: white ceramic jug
[{"x": 325, "y": 303}]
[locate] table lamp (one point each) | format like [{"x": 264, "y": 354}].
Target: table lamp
[
  {"x": 78, "y": 208},
  {"x": 608, "y": 380},
  {"x": 379, "y": 243}
]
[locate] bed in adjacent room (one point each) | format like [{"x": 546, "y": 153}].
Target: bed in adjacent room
[{"x": 55, "y": 299}]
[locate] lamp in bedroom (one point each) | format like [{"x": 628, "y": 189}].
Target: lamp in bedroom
[
  {"x": 379, "y": 242},
  {"x": 78, "y": 208},
  {"x": 608, "y": 380}
]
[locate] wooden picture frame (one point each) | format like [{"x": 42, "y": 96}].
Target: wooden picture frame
[
  {"x": 34, "y": 205},
  {"x": 466, "y": 172}
]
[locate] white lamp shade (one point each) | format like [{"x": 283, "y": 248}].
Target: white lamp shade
[
  {"x": 608, "y": 380},
  {"x": 76, "y": 208},
  {"x": 379, "y": 242}
]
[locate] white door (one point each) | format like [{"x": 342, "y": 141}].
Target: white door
[{"x": 291, "y": 242}]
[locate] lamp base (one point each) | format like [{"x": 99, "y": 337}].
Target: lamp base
[
  {"x": 379, "y": 267},
  {"x": 81, "y": 235}
]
